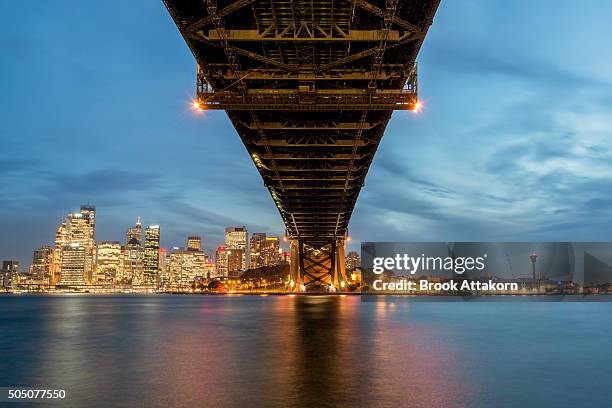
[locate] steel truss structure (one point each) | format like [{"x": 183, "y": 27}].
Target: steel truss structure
[{"x": 310, "y": 86}]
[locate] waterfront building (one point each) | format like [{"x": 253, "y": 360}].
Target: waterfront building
[
  {"x": 151, "y": 255},
  {"x": 74, "y": 258},
  {"x": 235, "y": 258},
  {"x": 236, "y": 238},
  {"x": 61, "y": 239},
  {"x": 133, "y": 255},
  {"x": 220, "y": 262},
  {"x": 10, "y": 273},
  {"x": 264, "y": 250},
  {"x": 352, "y": 261},
  {"x": 41, "y": 264},
  {"x": 110, "y": 262},
  {"x": 183, "y": 266}
]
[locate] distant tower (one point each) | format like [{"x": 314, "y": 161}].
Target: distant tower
[{"x": 533, "y": 258}]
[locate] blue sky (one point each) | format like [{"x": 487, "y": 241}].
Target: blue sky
[{"x": 514, "y": 144}]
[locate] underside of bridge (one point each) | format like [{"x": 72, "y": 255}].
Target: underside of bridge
[{"x": 309, "y": 86}]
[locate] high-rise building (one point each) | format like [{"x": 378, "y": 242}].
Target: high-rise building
[
  {"x": 237, "y": 238},
  {"x": 133, "y": 254},
  {"x": 272, "y": 251},
  {"x": 352, "y": 261},
  {"x": 10, "y": 272},
  {"x": 78, "y": 235},
  {"x": 61, "y": 239},
  {"x": 133, "y": 262},
  {"x": 257, "y": 247},
  {"x": 220, "y": 262},
  {"x": 74, "y": 257},
  {"x": 265, "y": 251},
  {"x": 183, "y": 266},
  {"x": 194, "y": 243},
  {"x": 110, "y": 262},
  {"x": 135, "y": 232},
  {"x": 151, "y": 255},
  {"x": 41, "y": 264},
  {"x": 234, "y": 262}
]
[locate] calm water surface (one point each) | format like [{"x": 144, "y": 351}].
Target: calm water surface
[{"x": 281, "y": 351}]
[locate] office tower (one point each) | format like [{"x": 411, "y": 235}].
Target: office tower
[
  {"x": 88, "y": 213},
  {"x": 78, "y": 235},
  {"x": 353, "y": 261},
  {"x": 74, "y": 257},
  {"x": 271, "y": 252},
  {"x": 184, "y": 266},
  {"x": 235, "y": 259},
  {"x": 264, "y": 250},
  {"x": 41, "y": 264},
  {"x": 110, "y": 262},
  {"x": 151, "y": 255},
  {"x": 237, "y": 238},
  {"x": 194, "y": 243},
  {"x": 135, "y": 232},
  {"x": 257, "y": 247},
  {"x": 133, "y": 262},
  {"x": 61, "y": 239},
  {"x": 10, "y": 272},
  {"x": 220, "y": 262},
  {"x": 164, "y": 279}
]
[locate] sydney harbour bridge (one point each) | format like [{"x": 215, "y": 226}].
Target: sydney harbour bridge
[{"x": 310, "y": 86}]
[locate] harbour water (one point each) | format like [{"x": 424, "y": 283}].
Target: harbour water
[{"x": 283, "y": 351}]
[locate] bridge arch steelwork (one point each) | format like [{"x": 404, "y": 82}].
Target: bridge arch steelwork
[{"x": 310, "y": 86}]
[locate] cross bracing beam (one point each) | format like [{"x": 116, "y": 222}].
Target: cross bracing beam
[
  {"x": 224, "y": 12},
  {"x": 381, "y": 13},
  {"x": 310, "y": 127},
  {"x": 256, "y": 35}
]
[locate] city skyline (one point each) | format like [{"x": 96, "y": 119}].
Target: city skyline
[{"x": 537, "y": 121}]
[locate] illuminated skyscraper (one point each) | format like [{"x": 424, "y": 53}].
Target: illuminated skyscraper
[
  {"x": 264, "y": 250},
  {"x": 183, "y": 266},
  {"x": 41, "y": 264},
  {"x": 110, "y": 262},
  {"x": 135, "y": 232},
  {"x": 151, "y": 255},
  {"x": 257, "y": 244},
  {"x": 78, "y": 235},
  {"x": 61, "y": 239},
  {"x": 133, "y": 262},
  {"x": 74, "y": 257},
  {"x": 237, "y": 238},
  {"x": 353, "y": 261},
  {"x": 221, "y": 262},
  {"x": 235, "y": 259},
  {"x": 194, "y": 243},
  {"x": 10, "y": 272}
]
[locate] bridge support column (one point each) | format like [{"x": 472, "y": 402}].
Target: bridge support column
[
  {"x": 317, "y": 269},
  {"x": 296, "y": 283},
  {"x": 340, "y": 270}
]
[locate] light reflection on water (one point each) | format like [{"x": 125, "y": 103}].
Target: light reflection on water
[{"x": 304, "y": 351}]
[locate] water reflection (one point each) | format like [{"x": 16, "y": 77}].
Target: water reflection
[{"x": 274, "y": 351}]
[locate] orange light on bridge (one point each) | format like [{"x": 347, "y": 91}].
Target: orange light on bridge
[
  {"x": 197, "y": 106},
  {"x": 418, "y": 106}
]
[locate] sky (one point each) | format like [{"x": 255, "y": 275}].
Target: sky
[{"x": 514, "y": 143}]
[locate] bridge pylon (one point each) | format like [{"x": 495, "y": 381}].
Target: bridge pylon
[{"x": 317, "y": 269}]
